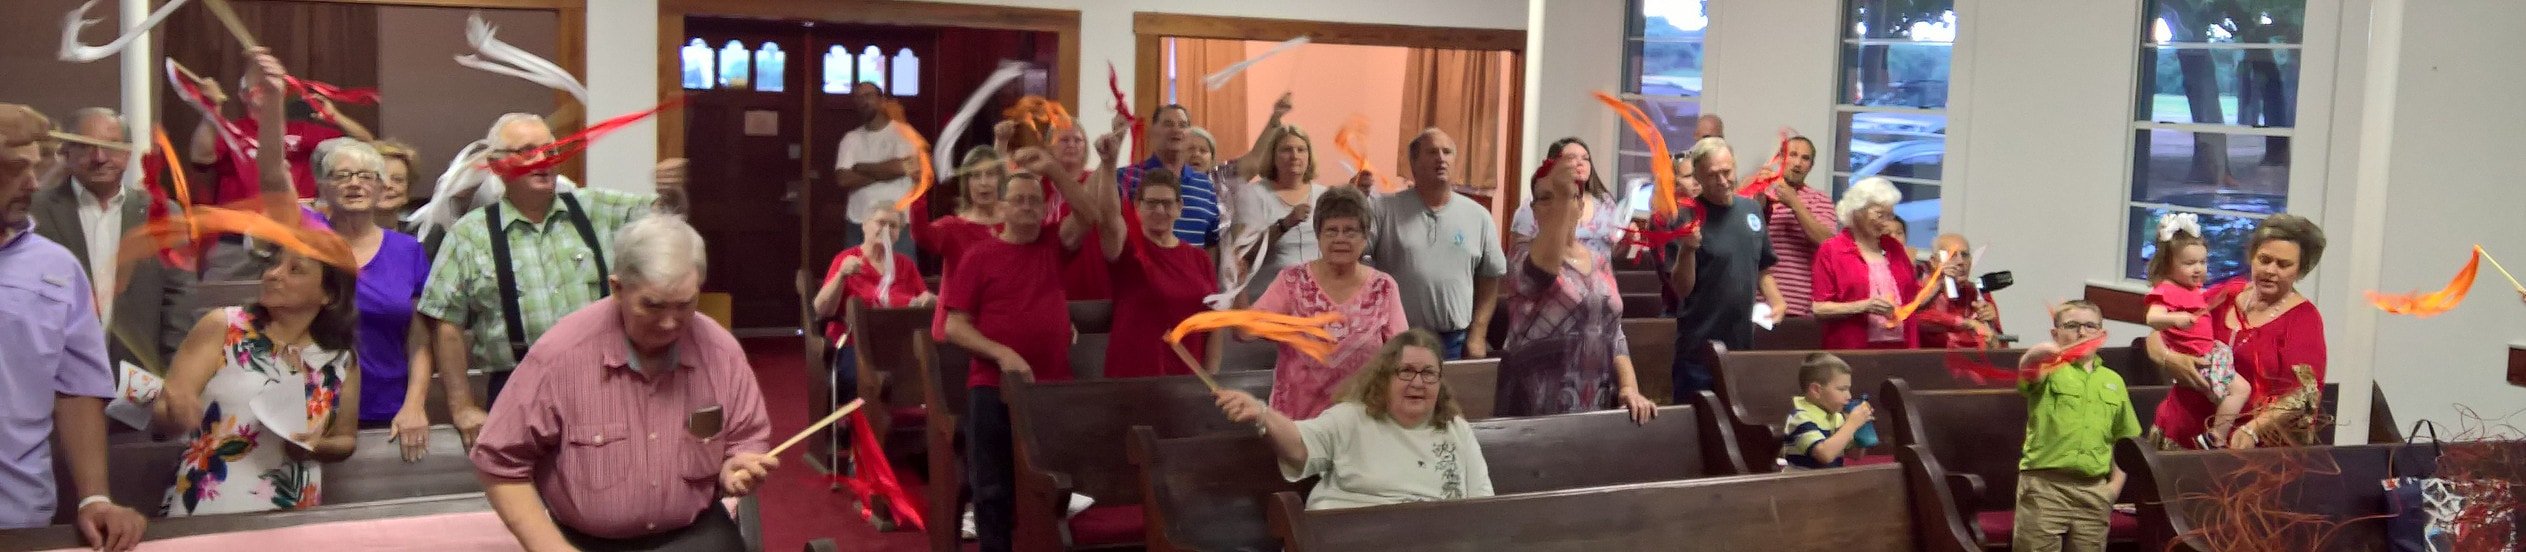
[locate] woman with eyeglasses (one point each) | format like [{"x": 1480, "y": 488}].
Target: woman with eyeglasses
[
  {"x": 394, "y": 352},
  {"x": 1370, "y": 304},
  {"x": 1397, "y": 436},
  {"x": 1275, "y": 206},
  {"x": 1863, "y": 273}
]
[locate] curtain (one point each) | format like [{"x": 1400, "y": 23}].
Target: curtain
[
  {"x": 328, "y": 42},
  {"x": 1222, "y": 111},
  {"x": 1457, "y": 91}
]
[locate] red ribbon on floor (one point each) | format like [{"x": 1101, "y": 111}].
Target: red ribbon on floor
[
  {"x": 562, "y": 150},
  {"x": 873, "y": 477}
]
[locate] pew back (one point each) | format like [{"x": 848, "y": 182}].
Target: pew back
[
  {"x": 1070, "y": 433},
  {"x": 376, "y": 470},
  {"x": 1979, "y": 432},
  {"x": 2179, "y": 493},
  {"x": 1474, "y": 384},
  {"x": 1652, "y": 356}
]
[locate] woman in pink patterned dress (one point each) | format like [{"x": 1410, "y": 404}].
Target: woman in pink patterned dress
[
  {"x": 1566, "y": 350},
  {"x": 1372, "y": 311}
]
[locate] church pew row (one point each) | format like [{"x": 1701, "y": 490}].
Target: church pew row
[
  {"x": 2178, "y": 493},
  {"x": 1069, "y": 438},
  {"x": 1756, "y": 386},
  {"x": 1208, "y": 492},
  {"x": 462, "y": 521},
  {"x": 1822, "y": 510},
  {"x": 139, "y": 472},
  {"x": 943, "y": 369}
]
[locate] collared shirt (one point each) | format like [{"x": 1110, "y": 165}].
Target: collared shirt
[
  {"x": 50, "y": 344},
  {"x": 1435, "y": 255},
  {"x": 609, "y": 446},
  {"x": 1808, "y": 425},
  {"x": 2073, "y": 417},
  {"x": 102, "y": 221},
  {"x": 1796, "y": 273},
  {"x": 556, "y": 273},
  {"x": 1200, "y": 218}
]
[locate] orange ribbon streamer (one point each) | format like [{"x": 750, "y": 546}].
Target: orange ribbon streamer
[
  {"x": 920, "y": 147},
  {"x": 1980, "y": 372},
  {"x": 1306, "y": 334},
  {"x": 1039, "y": 114},
  {"x": 1776, "y": 167},
  {"x": 312, "y": 241},
  {"x": 1354, "y": 131},
  {"x": 1928, "y": 289},
  {"x": 2420, "y": 305},
  {"x": 1663, "y": 200}
]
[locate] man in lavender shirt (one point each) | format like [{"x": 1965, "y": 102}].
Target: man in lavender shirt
[
  {"x": 54, "y": 355},
  {"x": 631, "y": 417}
]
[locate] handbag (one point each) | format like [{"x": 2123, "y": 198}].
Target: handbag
[{"x": 2426, "y": 509}]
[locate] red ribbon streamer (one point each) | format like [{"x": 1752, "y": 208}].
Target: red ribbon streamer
[
  {"x": 874, "y": 477},
  {"x": 1776, "y": 167},
  {"x": 568, "y": 147},
  {"x": 1122, "y": 108}
]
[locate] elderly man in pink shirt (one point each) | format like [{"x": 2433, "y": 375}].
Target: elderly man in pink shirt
[{"x": 630, "y": 417}]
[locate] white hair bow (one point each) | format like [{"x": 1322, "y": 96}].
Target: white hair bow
[{"x": 2170, "y": 223}]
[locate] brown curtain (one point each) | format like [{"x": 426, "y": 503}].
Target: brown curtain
[
  {"x": 328, "y": 42},
  {"x": 1222, "y": 111},
  {"x": 1457, "y": 91}
]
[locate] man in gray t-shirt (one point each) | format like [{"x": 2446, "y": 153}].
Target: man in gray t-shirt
[{"x": 1442, "y": 249}]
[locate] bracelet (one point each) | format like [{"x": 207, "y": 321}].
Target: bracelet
[{"x": 92, "y": 499}]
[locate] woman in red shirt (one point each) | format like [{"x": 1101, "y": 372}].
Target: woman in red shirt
[
  {"x": 977, "y": 210},
  {"x": 875, "y": 277},
  {"x": 1863, "y": 272},
  {"x": 1167, "y": 278},
  {"x": 2277, "y": 339}
]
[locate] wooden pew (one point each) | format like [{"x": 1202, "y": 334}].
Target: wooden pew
[
  {"x": 1069, "y": 438},
  {"x": 1822, "y": 510},
  {"x": 942, "y": 387},
  {"x": 1643, "y": 305},
  {"x": 1094, "y": 320},
  {"x": 436, "y": 408},
  {"x": 1475, "y": 384},
  {"x": 1756, "y": 386},
  {"x": 1638, "y": 281},
  {"x": 1791, "y": 334},
  {"x": 462, "y": 522},
  {"x": 1238, "y": 356},
  {"x": 376, "y": 470},
  {"x": 2341, "y": 483},
  {"x": 1207, "y": 492},
  {"x": 1980, "y": 434},
  {"x": 1653, "y": 356},
  {"x": 889, "y": 379}
]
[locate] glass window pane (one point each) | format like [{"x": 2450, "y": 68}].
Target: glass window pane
[
  {"x": 1674, "y": 119},
  {"x": 771, "y": 67},
  {"x": 907, "y": 73},
  {"x": 837, "y": 70},
  {"x": 1668, "y": 19},
  {"x": 1924, "y": 20},
  {"x": 1918, "y": 209},
  {"x": 2226, "y": 21},
  {"x": 1896, "y": 75},
  {"x": 2224, "y": 86},
  {"x": 2224, "y": 236},
  {"x": 1667, "y": 68},
  {"x": 2232, "y": 172},
  {"x": 873, "y": 67},
  {"x": 732, "y": 65},
  {"x": 697, "y": 69},
  {"x": 1894, "y": 144}
]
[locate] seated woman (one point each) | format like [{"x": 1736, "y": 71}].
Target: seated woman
[
  {"x": 294, "y": 342},
  {"x": 1864, "y": 272},
  {"x": 1566, "y": 350},
  {"x": 1371, "y": 306},
  {"x": 1396, "y": 436}
]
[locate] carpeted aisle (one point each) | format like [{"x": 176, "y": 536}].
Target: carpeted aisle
[{"x": 797, "y": 504}]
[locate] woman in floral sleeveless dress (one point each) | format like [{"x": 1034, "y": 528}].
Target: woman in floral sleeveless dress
[{"x": 293, "y": 343}]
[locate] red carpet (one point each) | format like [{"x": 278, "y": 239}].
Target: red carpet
[{"x": 797, "y": 504}]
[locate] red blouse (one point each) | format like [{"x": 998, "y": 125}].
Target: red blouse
[
  {"x": 1166, "y": 288},
  {"x": 862, "y": 286},
  {"x": 2264, "y": 355},
  {"x": 1842, "y": 277}
]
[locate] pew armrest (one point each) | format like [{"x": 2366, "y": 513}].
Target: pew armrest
[
  {"x": 750, "y": 522},
  {"x": 1968, "y": 489},
  {"x": 1286, "y": 511},
  {"x": 1760, "y": 443}
]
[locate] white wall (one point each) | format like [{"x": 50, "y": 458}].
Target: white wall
[
  {"x": 1573, "y": 49},
  {"x": 622, "y": 78},
  {"x": 1772, "y": 64},
  {"x": 439, "y": 106}
]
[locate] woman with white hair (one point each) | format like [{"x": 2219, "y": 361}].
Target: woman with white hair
[
  {"x": 393, "y": 351},
  {"x": 1862, "y": 274}
]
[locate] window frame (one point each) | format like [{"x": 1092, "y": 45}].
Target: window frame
[
  {"x": 1635, "y": 43},
  {"x": 1839, "y": 178}
]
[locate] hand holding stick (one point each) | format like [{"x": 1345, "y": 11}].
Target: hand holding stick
[{"x": 828, "y": 420}]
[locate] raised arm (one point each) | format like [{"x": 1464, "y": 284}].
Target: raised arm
[
  {"x": 1257, "y": 161},
  {"x": 271, "y": 161},
  {"x": 1110, "y": 230}
]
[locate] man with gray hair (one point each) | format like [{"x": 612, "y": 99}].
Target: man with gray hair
[
  {"x": 148, "y": 306},
  {"x": 632, "y": 416},
  {"x": 509, "y": 271},
  {"x": 1719, "y": 269},
  {"x": 1442, "y": 249}
]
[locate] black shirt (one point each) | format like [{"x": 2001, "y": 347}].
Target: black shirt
[{"x": 1728, "y": 270}]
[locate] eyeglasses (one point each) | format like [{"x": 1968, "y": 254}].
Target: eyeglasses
[
  {"x": 370, "y": 176},
  {"x": 1342, "y": 232},
  {"x": 1409, "y": 374},
  {"x": 505, "y": 152},
  {"x": 2081, "y": 326}
]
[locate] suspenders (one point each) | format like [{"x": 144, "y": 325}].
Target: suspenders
[{"x": 508, "y": 276}]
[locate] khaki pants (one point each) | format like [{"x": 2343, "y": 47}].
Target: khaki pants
[{"x": 2054, "y": 504}]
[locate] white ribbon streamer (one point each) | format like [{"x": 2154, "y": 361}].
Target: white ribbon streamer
[
  {"x": 1221, "y": 78},
  {"x": 74, "y": 52},
  {"x": 943, "y": 153},
  {"x": 499, "y": 57}
]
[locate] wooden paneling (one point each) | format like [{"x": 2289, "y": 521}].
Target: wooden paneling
[
  {"x": 1326, "y": 32},
  {"x": 2119, "y": 305},
  {"x": 478, "y": 4}
]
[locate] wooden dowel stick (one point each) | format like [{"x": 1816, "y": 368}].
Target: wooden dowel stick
[
  {"x": 82, "y": 139},
  {"x": 228, "y": 18},
  {"x": 2495, "y": 264},
  {"x": 1181, "y": 353},
  {"x": 828, "y": 420}
]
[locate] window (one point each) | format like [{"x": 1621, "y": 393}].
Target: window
[
  {"x": 732, "y": 65},
  {"x": 697, "y": 67},
  {"x": 771, "y": 68},
  {"x": 907, "y": 74},
  {"x": 2212, "y": 122},
  {"x": 1662, "y": 74},
  {"x": 873, "y": 67},
  {"x": 837, "y": 70},
  {"x": 1890, "y": 111}
]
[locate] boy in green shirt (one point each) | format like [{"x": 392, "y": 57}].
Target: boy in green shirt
[{"x": 2067, "y": 481}]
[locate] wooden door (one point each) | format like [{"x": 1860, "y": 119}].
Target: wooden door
[
  {"x": 745, "y": 137},
  {"x": 903, "y": 62}
]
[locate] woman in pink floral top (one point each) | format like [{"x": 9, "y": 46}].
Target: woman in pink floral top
[{"x": 1372, "y": 312}]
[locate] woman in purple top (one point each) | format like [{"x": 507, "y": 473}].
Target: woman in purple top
[{"x": 393, "y": 352}]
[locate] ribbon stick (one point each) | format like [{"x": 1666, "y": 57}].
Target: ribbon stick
[
  {"x": 1776, "y": 168},
  {"x": 1194, "y": 365},
  {"x": 2420, "y": 305},
  {"x": 837, "y": 415},
  {"x": 2495, "y": 265},
  {"x": 83, "y": 139},
  {"x": 228, "y": 18},
  {"x": 490, "y": 54},
  {"x": 1221, "y": 78},
  {"x": 75, "y": 52},
  {"x": 1348, "y": 139},
  {"x": 312, "y": 241},
  {"x": 943, "y": 154},
  {"x": 1306, "y": 334},
  {"x": 560, "y": 151},
  {"x": 1663, "y": 200}
]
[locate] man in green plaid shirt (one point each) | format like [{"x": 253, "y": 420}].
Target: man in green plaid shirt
[{"x": 555, "y": 271}]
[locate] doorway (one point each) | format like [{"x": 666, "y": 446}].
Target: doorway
[{"x": 767, "y": 104}]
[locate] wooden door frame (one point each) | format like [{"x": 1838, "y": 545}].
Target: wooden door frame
[{"x": 1148, "y": 28}]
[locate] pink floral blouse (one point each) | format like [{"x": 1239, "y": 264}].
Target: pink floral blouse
[{"x": 1302, "y": 386}]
